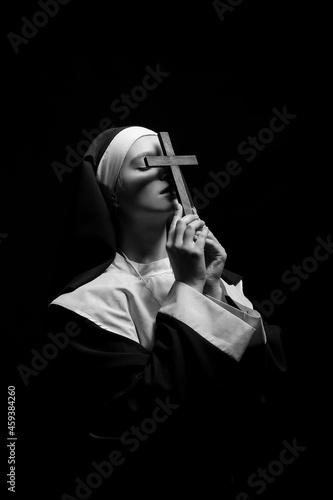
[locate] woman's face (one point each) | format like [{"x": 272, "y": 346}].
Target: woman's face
[{"x": 144, "y": 190}]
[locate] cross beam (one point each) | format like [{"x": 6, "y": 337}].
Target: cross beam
[{"x": 171, "y": 160}]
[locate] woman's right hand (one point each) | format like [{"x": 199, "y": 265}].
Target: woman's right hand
[{"x": 185, "y": 252}]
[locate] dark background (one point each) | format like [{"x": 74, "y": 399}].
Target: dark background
[{"x": 225, "y": 77}]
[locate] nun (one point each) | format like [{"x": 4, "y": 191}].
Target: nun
[{"x": 172, "y": 364}]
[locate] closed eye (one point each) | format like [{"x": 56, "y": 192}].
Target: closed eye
[
  {"x": 139, "y": 163},
  {"x": 144, "y": 168}
]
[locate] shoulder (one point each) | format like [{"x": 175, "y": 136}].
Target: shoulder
[
  {"x": 98, "y": 299},
  {"x": 110, "y": 284}
]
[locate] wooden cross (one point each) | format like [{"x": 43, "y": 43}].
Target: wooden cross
[{"x": 171, "y": 160}]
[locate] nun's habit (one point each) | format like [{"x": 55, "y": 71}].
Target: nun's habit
[{"x": 165, "y": 375}]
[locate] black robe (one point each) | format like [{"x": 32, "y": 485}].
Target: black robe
[{"x": 184, "y": 417}]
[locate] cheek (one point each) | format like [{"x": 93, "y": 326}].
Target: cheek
[{"x": 135, "y": 190}]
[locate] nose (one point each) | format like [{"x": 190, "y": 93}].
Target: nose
[{"x": 165, "y": 174}]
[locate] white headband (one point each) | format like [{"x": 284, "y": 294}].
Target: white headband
[{"x": 112, "y": 160}]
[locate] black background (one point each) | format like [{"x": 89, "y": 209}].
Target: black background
[{"x": 224, "y": 79}]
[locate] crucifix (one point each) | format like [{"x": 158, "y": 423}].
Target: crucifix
[{"x": 169, "y": 159}]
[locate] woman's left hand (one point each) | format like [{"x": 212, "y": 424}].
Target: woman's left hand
[{"x": 215, "y": 258}]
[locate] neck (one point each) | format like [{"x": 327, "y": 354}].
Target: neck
[{"x": 143, "y": 242}]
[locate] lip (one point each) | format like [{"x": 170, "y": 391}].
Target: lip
[{"x": 169, "y": 190}]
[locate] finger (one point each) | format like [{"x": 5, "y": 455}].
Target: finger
[
  {"x": 188, "y": 235},
  {"x": 179, "y": 232},
  {"x": 212, "y": 237},
  {"x": 190, "y": 218},
  {"x": 213, "y": 247},
  {"x": 181, "y": 226},
  {"x": 177, "y": 216},
  {"x": 178, "y": 213},
  {"x": 201, "y": 239},
  {"x": 213, "y": 242},
  {"x": 189, "y": 229},
  {"x": 197, "y": 225}
]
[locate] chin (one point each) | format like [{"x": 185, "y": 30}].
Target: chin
[
  {"x": 172, "y": 205},
  {"x": 166, "y": 203},
  {"x": 162, "y": 207}
]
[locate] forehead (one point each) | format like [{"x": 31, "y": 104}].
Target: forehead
[{"x": 147, "y": 145}]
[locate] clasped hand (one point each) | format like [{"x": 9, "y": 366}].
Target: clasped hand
[{"x": 196, "y": 256}]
